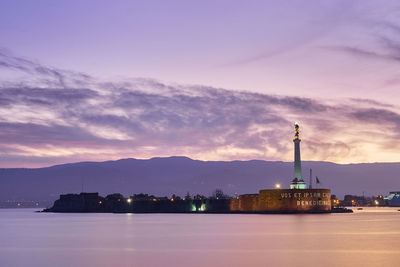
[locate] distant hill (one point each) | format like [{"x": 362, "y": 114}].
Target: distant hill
[{"x": 179, "y": 175}]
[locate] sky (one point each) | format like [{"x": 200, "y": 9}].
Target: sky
[{"x": 211, "y": 80}]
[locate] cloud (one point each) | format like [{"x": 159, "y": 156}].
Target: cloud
[
  {"x": 49, "y": 75},
  {"x": 370, "y": 102},
  {"x": 380, "y": 117},
  {"x": 47, "y": 124},
  {"x": 364, "y": 53},
  {"x": 387, "y": 44},
  {"x": 320, "y": 21}
]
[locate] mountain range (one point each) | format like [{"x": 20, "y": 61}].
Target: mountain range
[{"x": 179, "y": 175}]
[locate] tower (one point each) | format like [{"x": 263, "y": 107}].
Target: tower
[{"x": 298, "y": 182}]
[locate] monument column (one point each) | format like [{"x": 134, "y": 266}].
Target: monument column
[
  {"x": 298, "y": 182},
  {"x": 297, "y": 160}
]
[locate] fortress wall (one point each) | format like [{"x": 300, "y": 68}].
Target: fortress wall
[
  {"x": 234, "y": 205},
  {"x": 284, "y": 200},
  {"x": 295, "y": 200},
  {"x": 248, "y": 202}
]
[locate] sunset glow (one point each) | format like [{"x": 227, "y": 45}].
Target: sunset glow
[{"x": 199, "y": 88}]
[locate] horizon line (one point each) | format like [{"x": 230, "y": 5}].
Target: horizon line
[{"x": 193, "y": 159}]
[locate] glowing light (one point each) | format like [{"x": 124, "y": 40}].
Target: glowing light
[
  {"x": 376, "y": 202},
  {"x": 277, "y": 186},
  {"x": 100, "y": 202},
  {"x": 203, "y": 207},
  {"x": 129, "y": 200}
]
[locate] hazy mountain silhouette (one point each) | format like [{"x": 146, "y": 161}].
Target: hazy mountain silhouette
[{"x": 179, "y": 175}]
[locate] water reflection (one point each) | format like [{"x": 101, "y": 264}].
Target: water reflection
[{"x": 366, "y": 238}]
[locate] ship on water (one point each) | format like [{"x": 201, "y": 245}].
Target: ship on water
[{"x": 393, "y": 199}]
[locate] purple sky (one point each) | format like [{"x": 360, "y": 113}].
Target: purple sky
[{"x": 212, "y": 80}]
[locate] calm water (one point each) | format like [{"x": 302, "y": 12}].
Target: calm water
[{"x": 366, "y": 238}]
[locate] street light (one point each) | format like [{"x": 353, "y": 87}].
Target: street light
[{"x": 277, "y": 186}]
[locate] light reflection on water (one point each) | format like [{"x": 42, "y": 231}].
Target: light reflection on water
[{"x": 368, "y": 237}]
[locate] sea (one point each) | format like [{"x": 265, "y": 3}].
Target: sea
[{"x": 368, "y": 237}]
